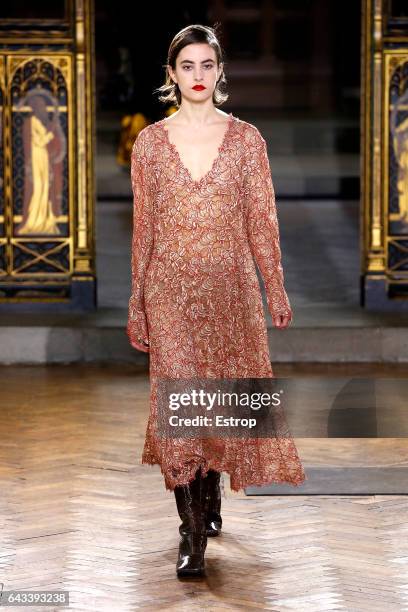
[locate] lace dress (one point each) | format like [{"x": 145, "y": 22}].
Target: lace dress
[{"x": 195, "y": 292}]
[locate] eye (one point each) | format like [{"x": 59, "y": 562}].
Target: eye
[
  {"x": 186, "y": 67},
  {"x": 209, "y": 66}
]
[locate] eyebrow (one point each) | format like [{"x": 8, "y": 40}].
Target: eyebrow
[{"x": 191, "y": 62}]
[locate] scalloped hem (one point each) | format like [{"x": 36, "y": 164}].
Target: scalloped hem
[{"x": 236, "y": 483}]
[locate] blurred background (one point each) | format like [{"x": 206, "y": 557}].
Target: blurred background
[
  {"x": 293, "y": 70},
  {"x": 290, "y": 69}
]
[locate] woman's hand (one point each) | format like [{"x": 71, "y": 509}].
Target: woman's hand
[
  {"x": 282, "y": 321},
  {"x": 141, "y": 346},
  {"x": 137, "y": 329}
]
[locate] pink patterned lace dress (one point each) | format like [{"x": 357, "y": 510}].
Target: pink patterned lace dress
[{"x": 195, "y": 294}]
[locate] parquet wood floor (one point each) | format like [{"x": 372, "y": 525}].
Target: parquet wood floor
[{"x": 79, "y": 512}]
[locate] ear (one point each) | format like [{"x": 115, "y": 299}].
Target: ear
[
  {"x": 220, "y": 69},
  {"x": 171, "y": 73}
]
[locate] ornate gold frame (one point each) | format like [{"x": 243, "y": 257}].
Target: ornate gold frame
[
  {"x": 383, "y": 46},
  {"x": 68, "y": 45}
]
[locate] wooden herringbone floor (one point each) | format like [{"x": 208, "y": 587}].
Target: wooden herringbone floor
[{"x": 79, "y": 512}]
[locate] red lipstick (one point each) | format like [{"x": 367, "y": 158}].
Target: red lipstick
[{"x": 199, "y": 87}]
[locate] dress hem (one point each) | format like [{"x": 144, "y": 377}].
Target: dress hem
[{"x": 210, "y": 465}]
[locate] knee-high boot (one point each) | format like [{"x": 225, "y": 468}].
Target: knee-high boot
[
  {"x": 190, "y": 500},
  {"x": 213, "y": 520}
]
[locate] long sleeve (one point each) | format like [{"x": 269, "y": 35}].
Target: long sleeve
[
  {"x": 142, "y": 243},
  {"x": 262, "y": 222}
]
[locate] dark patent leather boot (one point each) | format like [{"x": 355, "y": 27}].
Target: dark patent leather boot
[
  {"x": 213, "y": 504},
  {"x": 190, "y": 500},
  {"x": 213, "y": 520}
]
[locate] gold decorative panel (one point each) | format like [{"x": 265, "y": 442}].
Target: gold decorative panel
[
  {"x": 384, "y": 158},
  {"x": 46, "y": 180}
]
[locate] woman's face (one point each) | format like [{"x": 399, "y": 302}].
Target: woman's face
[{"x": 196, "y": 65}]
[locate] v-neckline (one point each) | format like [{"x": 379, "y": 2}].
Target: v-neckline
[{"x": 198, "y": 182}]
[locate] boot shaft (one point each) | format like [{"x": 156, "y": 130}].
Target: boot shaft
[
  {"x": 191, "y": 501},
  {"x": 191, "y": 504},
  {"x": 213, "y": 497}
]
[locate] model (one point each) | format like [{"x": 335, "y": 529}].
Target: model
[{"x": 204, "y": 208}]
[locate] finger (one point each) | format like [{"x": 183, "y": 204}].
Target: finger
[
  {"x": 282, "y": 321},
  {"x": 141, "y": 347}
]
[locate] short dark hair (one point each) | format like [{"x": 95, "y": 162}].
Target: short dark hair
[{"x": 196, "y": 33}]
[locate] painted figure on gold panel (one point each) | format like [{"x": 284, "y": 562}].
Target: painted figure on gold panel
[
  {"x": 44, "y": 151},
  {"x": 401, "y": 151},
  {"x": 399, "y": 134}
]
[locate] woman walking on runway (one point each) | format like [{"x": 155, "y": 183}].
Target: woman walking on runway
[{"x": 204, "y": 208}]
